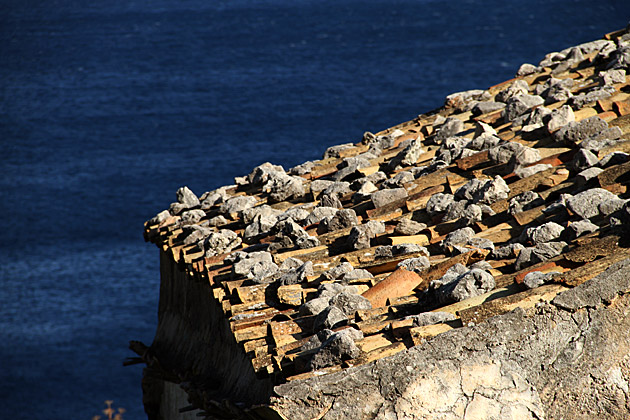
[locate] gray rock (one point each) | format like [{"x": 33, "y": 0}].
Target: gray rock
[
  {"x": 470, "y": 189},
  {"x": 194, "y": 234},
  {"x": 409, "y": 227},
  {"x": 159, "y": 218},
  {"x": 297, "y": 275},
  {"x": 583, "y": 159},
  {"x": 186, "y": 197},
  {"x": 519, "y": 87},
  {"x": 319, "y": 185},
  {"x": 439, "y": 203},
  {"x": 404, "y": 249},
  {"x": 526, "y": 156},
  {"x": 609, "y": 77},
  {"x": 219, "y": 242},
  {"x": 472, "y": 214},
  {"x": 302, "y": 169},
  {"x": 349, "y": 303},
  {"x": 451, "y": 127},
  {"x": 611, "y": 205},
  {"x": 398, "y": 180},
  {"x": 237, "y": 204},
  {"x": 518, "y": 105},
  {"x": 190, "y": 217},
  {"x": 544, "y": 233},
  {"x": 507, "y": 251},
  {"x": 338, "y": 271},
  {"x": 340, "y": 346},
  {"x": 330, "y": 200},
  {"x": 492, "y": 191},
  {"x": 460, "y": 99},
  {"x": 481, "y": 243},
  {"x": 586, "y": 204},
  {"x": 320, "y": 213},
  {"x": 246, "y": 261},
  {"x": 614, "y": 158},
  {"x": 333, "y": 151},
  {"x": 282, "y": 187},
  {"x": 536, "y": 279},
  {"x": 620, "y": 59},
  {"x": 430, "y": 318},
  {"x": 343, "y": 219},
  {"x": 314, "y": 306},
  {"x": 409, "y": 155},
  {"x": 457, "y": 237},
  {"x": 217, "y": 221},
  {"x": 524, "y": 172},
  {"x": 586, "y": 175},
  {"x": 472, "y": 283},
  {"x": 417, "y": 264},
  {"x": 291, "y": 263},
  {"x": 383, "y": 197},
  {"x": 576, "y": 132},
  {"x": 455, "y": 210},
  {"x": 524, "y": 201},
  {"x": 527, "y": 69},
  {"x": 503, "y": 153},
  {"x": 579, "y": 228},
  {"x": 602, "y": 289},
  {"x": 333, "y": 289},
  {"x": 482, "y": 265},
  {"x": 384, "y": 251},
  {"x": 485, "y": 107},
  {"x": 263, "y": 272},
  {"x": 306, "y": 242},
  {"x": 316, "y": 340},
  {"x": 539, "y": 253},
  {"x": 450, "y": 276},
  {"x": 579, "y": 101},
  {"x": 357, "y": 274},
  {"x": 330, "y": 318},
  {"x": 297, "y": 214},
  {"x": 559, "y": 118}
]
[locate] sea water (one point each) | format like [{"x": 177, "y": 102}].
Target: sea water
[{"x": 107, "y": 107}]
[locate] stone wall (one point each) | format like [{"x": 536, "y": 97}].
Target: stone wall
[{"x": 566, "y": 360}]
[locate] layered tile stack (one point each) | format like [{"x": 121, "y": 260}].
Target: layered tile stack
[{"x": 502, "y": 198}]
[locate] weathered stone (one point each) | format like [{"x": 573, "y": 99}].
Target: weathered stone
[
  {"x": 455, "y": 210},
  {"x": 338, "y": 271},
  {"x": 460, "y": 99},
  {"x": 599, "y": 290},
  {"x": 338, "y": 347},
  {"x": 527, "y": 171},
  {"x": 586, "y": 204},
  {"x": 297, "y": 275},
  {"x": 614, "y": 158},
  {"x": 409, "y": 155},
  {"x": 611, "y": 205},
  {"x": 503, "y": 153},
  {"x": 349, "y": 303},
  {"x": 544, "y": 233},
  {"x": 583, "y": 159},
  {"x": 472, "y": 283},
  {"x": 481, "y": 243},
  {"x": 536, "y": 279},
  {"x": 297, "y": 214},
  {"x": 246, "y": 261},
  {"x": 281, "y": 187},
  {"x": 559, "y": 118},
  {"x": 431, "y": 318},
  {"x": 452, "y": 127},
  {"x": 579, "y": 228},
  {"x": 579, "y": 101},
  {"x": 398, "y": 180},
  {"x": 320, "y": 213},
  {"x": 576, "y": 132},
  {"x": 586, "y": 175},
  {"x": 409, "y": 227},
  {"x": 343, "y": 219},
  {"x": 518, "y": 105},
  {"x": 527, "y": 155},
  {"x": 472, "y": 214},
  {"x": 439, "y": 203},
  {"x": 620, "y": 58},
  {"x": 609, "y": 77},
  {"x": 485, "y": 107},
  {"x": 540, "y": 252},
  {"x": 383, "y": 197},
  {"x": 359, "y": 237},
  {"x": 507, "y": 251},
  {"x": 302, "y": 169},
  {"x": 330, "y": 318},
  {"x": 186, "y": 197},
  {"x": 357, "y": 274},
  {"x": 457, "y": 237},
  {"x": 237, "y": 204},
  {"x": 417, "y": 264},
  {"x": 314, "y": 306},
  {"x": 159, "y": 218},
  {"x": 519, "y": 87},
  {"x": 220, "y": 242},
  {"x": 333, "y": 151},
  {"x": 217, "y": 221},
  {"x": 262, "y": 173},
  {"x": 526, "y": 69},
  {"x": 524, "y": 201}
]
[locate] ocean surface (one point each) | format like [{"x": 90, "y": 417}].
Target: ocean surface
[{"x": 107, "y": 107}]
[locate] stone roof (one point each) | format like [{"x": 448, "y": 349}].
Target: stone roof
[{"x": 501, "y": 199}]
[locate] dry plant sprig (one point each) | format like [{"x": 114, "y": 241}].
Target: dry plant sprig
[{"x": 110, "y": 412}]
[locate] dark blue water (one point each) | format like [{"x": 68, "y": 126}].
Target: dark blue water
[{"x": 107, "y": 107}]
